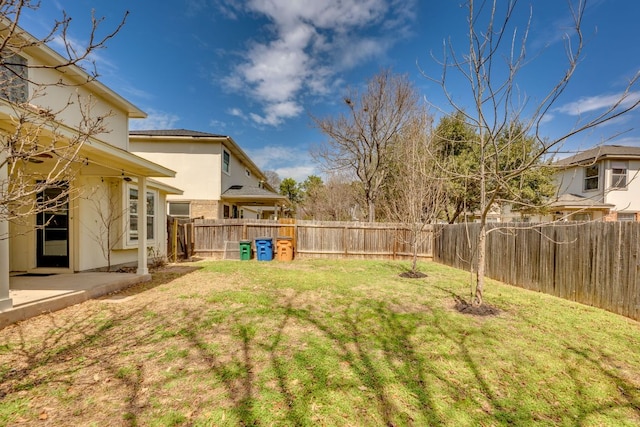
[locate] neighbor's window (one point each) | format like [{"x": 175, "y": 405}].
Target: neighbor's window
[
  {"x": 134, "y": 214},
  {"x": 591, "y": 177},
  {"x": 226, "y": 158},
  {"x": 618, "y": 174},
  {"x": 14, "y": 85},
  {"x": 626, "y": 216},
  {"x": 179, "y": 209},
  {"x": 226, "y": 211}
]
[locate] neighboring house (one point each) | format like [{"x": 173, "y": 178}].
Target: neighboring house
[
  {"x": 107, "y": 179},
  {"x": 218, "y": 178},
  {"x": 599, "y": 184}
]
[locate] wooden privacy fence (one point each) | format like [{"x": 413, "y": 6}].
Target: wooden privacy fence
[
  {"x": 180, "y": 235},
  {"x": 591, "y": 263},
  {"x": 313, "y": 239}
]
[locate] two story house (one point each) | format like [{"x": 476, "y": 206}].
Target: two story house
[
  {"x": 218, "y": 178},
  {"x": 599, "y": 184},
  {"x": 106, "y": 210}
]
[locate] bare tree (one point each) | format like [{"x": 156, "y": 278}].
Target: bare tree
[
  {"x": 273, "y": 179},
  {"x": 502, "y": 117},
  {"x": 360, "y": 140},
  {"x": 414, "y": 193},
  {"x": 36, "y": 133},
  {"x": 107, "y": 232}
]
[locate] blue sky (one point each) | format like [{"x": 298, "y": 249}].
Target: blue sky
[{"x": 257, "y": 69}]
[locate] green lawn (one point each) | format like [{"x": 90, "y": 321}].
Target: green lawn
[{"x": 320, "y": 343}]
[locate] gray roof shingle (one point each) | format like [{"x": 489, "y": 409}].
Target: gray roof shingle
[
  {"x": 175, "y": 132},
  {"x": 601, "y": 152}
]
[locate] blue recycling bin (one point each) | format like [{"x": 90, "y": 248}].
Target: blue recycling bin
[{"x": 264, "y": 248}]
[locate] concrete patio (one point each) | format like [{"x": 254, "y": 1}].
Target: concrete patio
[{"x": 34, "y": 295}]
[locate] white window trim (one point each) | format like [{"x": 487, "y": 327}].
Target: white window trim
[
  {"x": 128, "y": 242},
  {"x": 228, "y": 172},
  {"x": 620, "y": 165},
  {"x": 585, "y": 178},
  {"x": 633, "y": 214}
]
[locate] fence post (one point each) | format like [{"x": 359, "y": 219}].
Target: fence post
[{"x": 174, "y": 239}]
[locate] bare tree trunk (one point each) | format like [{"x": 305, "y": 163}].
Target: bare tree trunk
[
  {"x": 372, "y": 211},
  {"x": 414, "y": 245},
  {"x": 482, "y": 254}
]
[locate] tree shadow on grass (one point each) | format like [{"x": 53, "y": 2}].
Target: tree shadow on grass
[
  {"x": 629, "y": 393},
  {"x": 68, "y": 343},
  {"x": 358, "y": 348}
]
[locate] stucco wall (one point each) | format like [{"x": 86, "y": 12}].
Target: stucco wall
[
  {"x": 57, "y": 98},
  {"x": 626, "y": 199},
  {"x": 572, "y": 181},
  {"x": 196, "y": 164}
]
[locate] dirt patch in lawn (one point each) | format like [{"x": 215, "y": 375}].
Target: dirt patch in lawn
[
  {"x": 484, "y": 309},
  {"x": 413, "y": 275}
]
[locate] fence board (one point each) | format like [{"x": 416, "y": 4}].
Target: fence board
[
  {"x": 592, "y": 263},
  {"x": 315, "y": 238}
]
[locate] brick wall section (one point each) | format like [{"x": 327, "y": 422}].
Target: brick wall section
[
  {"x": 207, "y": 209},
  {"x": 612, "y": 216}
]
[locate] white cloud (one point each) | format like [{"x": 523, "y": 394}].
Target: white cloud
[
  {"x": 236, "y": 112},
  {"x": 308, "y": 44},
  {"x": 599, "y": 102},
  {"x": 155, "y": 120},
  {"x": 288, "y": 162},
  {"x": 275, "y": 114},
  {"x": 299, "y": 173}
]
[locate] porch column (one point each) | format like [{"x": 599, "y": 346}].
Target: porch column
[
  {"x": 5, "y": 302},
  {"x": 142, "y": 226}
]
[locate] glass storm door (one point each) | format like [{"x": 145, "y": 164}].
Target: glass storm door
[{"x": 53, "y": 228}]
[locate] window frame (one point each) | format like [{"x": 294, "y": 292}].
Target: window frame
[
  {"x": 226, "y": 162},
  {"x": 151, "y": 213},
  {"x": 15, "y": 76},
  {"x": 630, "y": 216},
  {"x": 590, "y": 178},
  {"x": 179, "y": 202},
  {"x": 622, "y": 166}
]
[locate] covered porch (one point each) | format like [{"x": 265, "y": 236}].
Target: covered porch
[
  {"x": 255, "y": 198},
  {"x": 95, "y": 158}
]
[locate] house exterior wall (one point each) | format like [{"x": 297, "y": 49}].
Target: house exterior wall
[
  {"x": 199, "y": 171},
  {"x": 237, "y": 174},
  {"x": 196, "y": 169},
  {"x": 91, "y": 196},
  {"x": 57, "y": 97},
  {"x": 572, "y": 181},
  {"x": 626, "y": 200}
]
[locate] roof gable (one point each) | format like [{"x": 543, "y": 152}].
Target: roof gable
[{"x": 601, "y": 153}]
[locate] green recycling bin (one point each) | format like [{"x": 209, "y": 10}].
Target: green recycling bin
[{"x": 245, "y": 250}]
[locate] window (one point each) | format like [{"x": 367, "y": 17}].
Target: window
[
  {"x": 591, "y": 177},
  {"x": 179, "y": 209},
  {"x": 226, "y": 158},
  {"x": 134, "y": 217},
  {"x": 626, "y": 216},
  {"x": 14, "y": 85},
  {"x": 619, "y": 175},
  {"x": 226, "y": 211}
]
